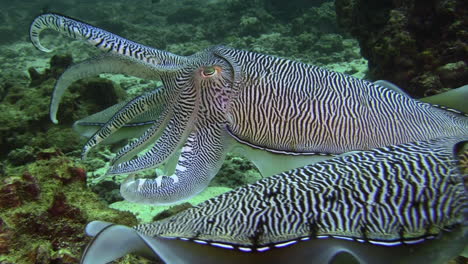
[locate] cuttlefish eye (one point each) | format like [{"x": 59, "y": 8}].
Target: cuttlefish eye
[{"x": 208, "y": 71}]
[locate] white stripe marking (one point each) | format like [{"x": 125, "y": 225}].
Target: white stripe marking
[
  {"x": 222, "y": 245},
  {"x": 262, "y": 249},
  {"x": 245, "y": 249},
  {"x": 286, "y": 244},
  {"x": 383, "y": 243}
]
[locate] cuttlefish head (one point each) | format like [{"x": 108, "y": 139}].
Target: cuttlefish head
[
  {"x": 214, "y": 80},
  {"x": 398, "y": 204}
]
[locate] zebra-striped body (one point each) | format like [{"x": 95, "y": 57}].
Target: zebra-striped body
[
  {"x": 370, "y": 204},
  {"x": 388, "y": 196},
  {"x": 261, "y": 101},
  {"x": 287, "y": 106}
]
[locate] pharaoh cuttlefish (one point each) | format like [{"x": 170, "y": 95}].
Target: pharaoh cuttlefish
[
  {"x": 398, "y": 204},
  {"x": 278, "y": 113}
]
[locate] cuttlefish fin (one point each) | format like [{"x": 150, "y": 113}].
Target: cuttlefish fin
[
  {"x": 454, "y": 99},
  {"x": 115, "y": 241},
  {"x": 391, "y": 86},
  {"x": 271, "y": 163},
  {"x": 112, "y": 242}
]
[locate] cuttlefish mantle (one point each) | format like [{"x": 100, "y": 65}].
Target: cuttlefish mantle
[
  {"x": 279, "y": 113},
  {"x": 397, "y": 204}
]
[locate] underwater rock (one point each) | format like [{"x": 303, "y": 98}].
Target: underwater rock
[
  {"x": 24, "y": 116},
  {"x": 16, "y": 191},
  {"x": 407, "y": 42},
  {"x": 58, "y": 64},
  {"x": 109, "y": 191},
  {"x": 451, "y": 72},
  {"x": 97, "y": 93},
  {"x": 44, "y": 207},
  {"x": 236, "y": 171}
]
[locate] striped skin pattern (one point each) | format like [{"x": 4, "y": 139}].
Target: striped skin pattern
[
  {"x": 127, "y": 113},
  {"x": 101, "y": 39},
  {"x": 401, "y": 194},
  {"x": 293, "y": 107},
  {"x": 222, "y": 93}
]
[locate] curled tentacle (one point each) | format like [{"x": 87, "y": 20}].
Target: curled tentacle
[
  {"x": 109, "y": 63},
  {"x": 200, "y": 159},
  {"x": 157, "y": 98},
  {"x": 172, "y": 138},
  {"x": 101, "y": 39}
]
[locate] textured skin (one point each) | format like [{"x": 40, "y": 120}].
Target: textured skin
[
  {"x": 261, "y": 101},
  {"x": 397, "y": 204},
  {"x": 388, "y": 196}
]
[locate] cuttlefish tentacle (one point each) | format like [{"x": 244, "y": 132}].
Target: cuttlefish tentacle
[
  {"x": 199, "y": 161},
  {"x": 102, "y": 39},
  {"x": 133, "y": 109},
  {"x": 108, "y": 63},
  {"x": 172, "y": 138}
]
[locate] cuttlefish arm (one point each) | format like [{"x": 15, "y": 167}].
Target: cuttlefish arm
[
  {"x": 108, "y": 63},
  {"x": 101, "y": 39},
  {"x": 89, "y": 125},
  {"x": 158, "y": 98},
  {"x": 199, "y": 161},
  {"x": 397, "y": 204},
  {"x": 145, "y": 140},
  {"x": 178, "y": 128}
]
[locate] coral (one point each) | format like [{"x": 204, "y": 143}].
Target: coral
[
  {"x": 109, "y": 191},
  {"x": 410, "y": 43},
  {"x": 44, "y": 208},
  {"x": 236, "y": 171},
  {"x": 58, "y": 64},
  {"x": 24, "y": 115}
]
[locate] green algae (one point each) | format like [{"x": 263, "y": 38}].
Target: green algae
[{"x": 44, "y": 207}]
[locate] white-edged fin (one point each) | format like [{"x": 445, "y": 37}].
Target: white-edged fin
[
  {"x": 94, "y": 227},
  {"x": 456, "y": 99},
  {"x": 115, "y": 241},
  {"x": 269, "y": 163},
  {"x": 167, "y": 250},
  {"x": 390, "y": 86},
  {"x": 112, "y": 242}
]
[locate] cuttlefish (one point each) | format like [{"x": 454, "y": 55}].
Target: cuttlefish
[
  {"x": 278, "y": 113},
  {"x": 397, "y": 204}
]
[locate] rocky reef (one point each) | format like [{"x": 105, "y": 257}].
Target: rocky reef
[
  {"x": 419, "y": 45},
  {"x": 45, "y": 200},
  {"x": 44, "y": 207}
]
